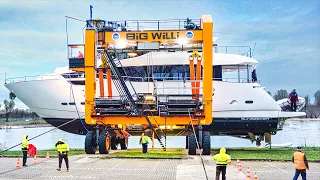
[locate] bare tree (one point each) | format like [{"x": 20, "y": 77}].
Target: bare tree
[
  {"x": 307, "y": 105},
  {"x": 317, "y": 98},
  {"x": 307, "y": 100},
  {"x": 269, "y": 93},
  {"x": 280, "y": 94},
  {"x": 8, "y": 107},
  {"x": 314, "y": 111}
]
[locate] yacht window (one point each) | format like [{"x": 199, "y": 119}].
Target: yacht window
[
  {"x": 73, "y": 75},
  {"x": 217, "y": 73},
  {"x": 78, "y": 82},
  {"x": 249, "y": 102},
  {"x": 64, "y": 103},
  {"x": 175, "y": 72},
  {"x": 233, "y": 102},
  {"x": 82, "y": 103},
  {"x": 72, "y": 103}
]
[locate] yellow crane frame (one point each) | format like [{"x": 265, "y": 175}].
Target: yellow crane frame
[{"x": 203, "y": 35}]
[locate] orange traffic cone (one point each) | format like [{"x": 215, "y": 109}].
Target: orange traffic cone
[
  {"x": 35, "y": 160},
  {"x": 248, "y": 175},
  {"x": 47, "y": 157},
  {"x": 255, "y": 176},
  {"x": 18, "y": 164},
  {"x": 240, "y": 168},
  {"x": 238, "y": 162}
]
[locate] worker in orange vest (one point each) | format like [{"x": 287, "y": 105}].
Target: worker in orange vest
[{"x": 300, "y": 163}]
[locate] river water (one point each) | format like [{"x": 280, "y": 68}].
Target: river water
[{"x": 297, "y": 132}]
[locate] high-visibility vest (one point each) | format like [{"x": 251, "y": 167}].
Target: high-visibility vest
[
  {"x": 24, "y": 143},
  {"x": 62, "y": 147},
  {"x": 298, "y": 158},
  {"x": 144, "y": 140},
  {"x": 222, "y": 159}
]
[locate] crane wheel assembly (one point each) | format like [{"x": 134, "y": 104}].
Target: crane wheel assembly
[{"x": 157, "y": 114}]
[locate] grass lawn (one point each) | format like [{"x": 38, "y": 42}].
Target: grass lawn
[
  {"x": 42, "y": 153},
  {"x": 16, "y": 122},
  {"x": 171, "y": 153},
  {"x": 281, "y": 154}
]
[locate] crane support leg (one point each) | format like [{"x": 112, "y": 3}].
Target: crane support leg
[
  {"x": 191, "y": 65},
  {"x": 109, "y": 83},
  {"x": 101, "y": 83},
  {"x": 207, "y": 66},
  {"x": 152, "y": 139},
  {"x": 198, "y": 77},
  {"x": 89, "y": 64}
]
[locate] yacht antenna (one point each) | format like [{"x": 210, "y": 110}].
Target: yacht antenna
[
  {"x": 91, "y": 7},
  {"x": 253, "y": 49}
]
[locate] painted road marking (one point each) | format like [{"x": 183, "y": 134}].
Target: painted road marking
[
  {"x": 154, "y": 168},
  {"x": 276, "y": 167},
  {"x": 118, "y": 164},
  {"x": 70, "y": 176}
]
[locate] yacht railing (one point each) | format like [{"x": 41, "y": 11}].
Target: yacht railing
[
  {"x": 140, "y": 25},
  {"x": 239, "y": 50},
  {"x": 134, "y": 79}
]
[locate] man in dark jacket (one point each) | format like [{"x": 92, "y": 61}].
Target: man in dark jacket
[
  {"x": 293, "y": 97},
  {"x": 254, "y": 76}
]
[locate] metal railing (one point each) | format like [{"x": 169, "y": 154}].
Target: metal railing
[
  {"x": 141, "y": 25},
  {"x": 239, "y": 50},
  {"x": 133, "y": 79}
]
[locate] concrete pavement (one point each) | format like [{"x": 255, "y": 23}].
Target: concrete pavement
[{"x": 92, "y": 167}]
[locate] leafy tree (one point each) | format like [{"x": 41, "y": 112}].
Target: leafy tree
[
  {"x": 8, "y": 107},
  {"x": 280, "y": 94},
  {"x": 317, "y": 98}
]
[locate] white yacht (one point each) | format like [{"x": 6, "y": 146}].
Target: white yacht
[{"x": 239, "y": 105}]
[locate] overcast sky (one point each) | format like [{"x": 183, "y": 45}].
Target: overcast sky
[{"x": 286, "y": 33}]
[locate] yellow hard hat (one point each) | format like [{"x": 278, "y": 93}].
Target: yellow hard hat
[{"x": 60, "y": 140}]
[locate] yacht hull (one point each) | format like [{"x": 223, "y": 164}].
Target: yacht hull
[
  {"x": 219, "y": 126},
  {"x": 238, "y": 108}
]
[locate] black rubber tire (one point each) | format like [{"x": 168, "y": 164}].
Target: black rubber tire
[
  {"x": 206, "y": 143},
  {"x": 113, "y": 143},
  {"x": 90, "y": 145},
  {"x": 123, "y": 144},
  {"x": 103, "y": 149},
  {"x": 192, "y": 149}
]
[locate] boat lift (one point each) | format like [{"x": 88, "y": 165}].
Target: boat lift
[{"x": 111, "y": 115}]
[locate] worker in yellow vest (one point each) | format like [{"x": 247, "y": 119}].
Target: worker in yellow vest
[
  {"x": 300, "y": 163},
  {"x": 222, "y": 160},
  {"x": 144, "y": 141},
  {"x": 24, "y": 148},
  {"x": 63, "y": 149}
]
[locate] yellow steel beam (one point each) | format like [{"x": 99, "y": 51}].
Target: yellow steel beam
[
  {"x": 187, "y": 36},
  {"x": 77, "y": 69},
  {"x": 169, "y": 121},
  {"x": 207, "y": 31},
  {"x": 89, "y": 63}
]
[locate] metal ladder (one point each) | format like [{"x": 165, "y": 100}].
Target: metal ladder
[{"x": 123, "y": 89}]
